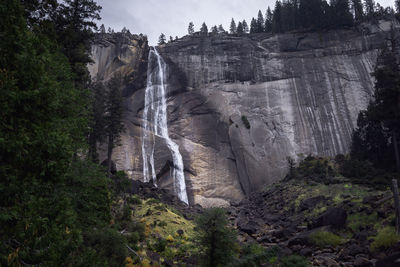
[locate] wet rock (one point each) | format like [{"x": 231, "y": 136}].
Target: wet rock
[
  {"x": 306, "y": 252},
  {"x": 311, "y": 203},
  {"x": 362, "y": 262},
  {"x": 335, "y": 217},
  {"x": 390, "y": 261},
  {"x": 249, "y": 227}
]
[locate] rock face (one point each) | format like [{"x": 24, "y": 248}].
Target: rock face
[{"x": 238, "y": 106}]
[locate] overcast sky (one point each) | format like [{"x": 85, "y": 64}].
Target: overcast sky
[{"x": 171, "y": 17}]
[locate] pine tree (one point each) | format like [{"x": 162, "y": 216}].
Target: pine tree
[
  {"x": 113, "y": 116},
  {"x": 204, "y": 29},
  {"x": 214, "y": 29},
  {"x": 260, "y": 22},
  {"x": 161, "y": 39},
  {"x": 102, "y": 29},
  {"x": 232, "y": 28},
  {"x": 215, "y": 237},
  {"x": 75, "y": 24},
  {"x": 245, "y": 26},
  {"x": 253, "y": 26},
  {"x": 277, "y": 21},
  {"x": 268, "y": 20},
  {"x": 221, "y": 29},
  {"x": 358, "y": 10},
  {"x": 377, "y": 136},
  {"x": 341, "y": 15},
  {"x": 191, "y": 28},
  {"x": 239, "y": 29},
  {"x": 97, "y": 123},
  {"x": 369, "y": 8},
  {"x": 397, "y": 5}
]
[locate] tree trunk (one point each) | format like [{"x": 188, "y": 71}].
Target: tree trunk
[
  {"x": 396, "y": 150},
  {"x": 395, "y": 189},
  {"x": 109, "y": 154}
]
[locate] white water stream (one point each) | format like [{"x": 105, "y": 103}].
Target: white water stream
[{"x": 155, "y": 124}]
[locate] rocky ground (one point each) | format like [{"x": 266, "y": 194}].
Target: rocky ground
[{"x": 338, "y": 224}]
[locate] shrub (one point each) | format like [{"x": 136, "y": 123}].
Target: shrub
[
  {"x": 324, "y": 239},
  {"x": 108, "y": 244},
  {"x": 255, "y": 255},
  {"x": 134, "y": 199},
  {"x": 160, "y": 245},
  {"x": 215, "y": 237},
  {"x": 246, "y": 122},
  {"x": 385, "y": 238},
  {"x": 294, "y": 261}
]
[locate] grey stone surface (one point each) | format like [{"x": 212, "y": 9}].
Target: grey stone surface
[{"x": 300, "y": 92}]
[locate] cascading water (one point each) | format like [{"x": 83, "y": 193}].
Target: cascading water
[{"x": 155, "y": 124}]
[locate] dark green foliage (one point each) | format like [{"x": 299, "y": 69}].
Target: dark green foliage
[
  {"x": 254, "y": 255},
  {"x": 97, "y": 122},
  {"x": 312, "y": 168},
  {"x": 245, "y": 26},
  {"x": 113, "y": 116},
  {"x": 204, "y": 29},
  {"x": 216, "y": 239},
  {"x": 240, "y": 28},
  {"x": 108, "y": 246},
  {"x": 260, "y": 22},
  {"x": 246, "y": 122},
  {"x": 161, "y": 39},
  {"x": 232, "y": 28},
  {"x": 294, "y": 261},
  {"x": 376, "y": 138},
  {"x": 191, "y": 28},
  {"x": 51, "y": 199},
  {"x": 88, "y": 190},
  {"x": 160, "y": 245}
]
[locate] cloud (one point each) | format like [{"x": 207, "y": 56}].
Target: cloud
[{"x": 171, "y": 17}]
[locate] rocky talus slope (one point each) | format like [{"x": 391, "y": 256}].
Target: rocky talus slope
[{"x": 238, "y": 106}]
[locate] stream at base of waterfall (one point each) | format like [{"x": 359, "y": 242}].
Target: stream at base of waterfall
[{"x": 155, "y": 124}]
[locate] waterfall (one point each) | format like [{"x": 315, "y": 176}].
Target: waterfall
[{"x": 155, "y": 124}]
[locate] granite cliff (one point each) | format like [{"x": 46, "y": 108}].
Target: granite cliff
[{"x": 238, "y": 106}]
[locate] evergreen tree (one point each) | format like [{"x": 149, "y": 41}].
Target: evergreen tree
[
  {"x": 215, "y": 237},
  {"x": 253, "y": 26},
  {"x": 369, "y": 8},
  {"x": 260, "y": 22},
  {"x": 341, "y": 15},
  {"x": 277, "y": 21},
  {"x": 358, "y": 10},
  {"x": 397, "y": 5},
  {"x": 232, "y": 28},
  {"x": 97, "y": 123},
  {"x": 239, "y": 29},
  {"x": 171, "y": 39},
  {"x": 75, "y": 24},
  {"x": 204, "y": 29},
  {"x": 214, "y": 30},
  {"x": 245, "y": 26},
  {"x": 102, "y": 29},
  {"x": 377, "y": 136},
  {"x": 221, "y": 29},
  {"x": 191, "y": 28},
  {"x": 161, "y": 39},
  {"x": 113, "y": 116},
  {"x": 268, "y": 20}
]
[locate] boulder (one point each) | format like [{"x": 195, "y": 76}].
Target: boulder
[{"x": 335, "y": 217}]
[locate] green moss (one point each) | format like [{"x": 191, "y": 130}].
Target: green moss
[
  {"x": 294, "y": 261},
  {"x": 385, "y": 238},
  {"x": 325, "y": 239},
  {"x": 246, "y": 122},
  {"x": 360, "y": 220}
]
